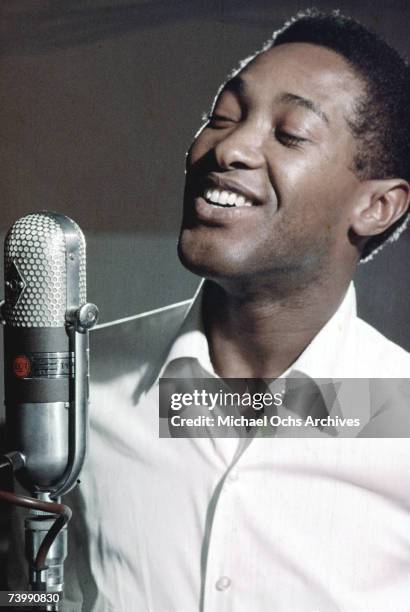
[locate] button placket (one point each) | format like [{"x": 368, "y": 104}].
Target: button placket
[{"x": 220, "y": 543}]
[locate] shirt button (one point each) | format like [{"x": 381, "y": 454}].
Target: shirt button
[
  {"x": 223, "y": 583},
  {"x": 233, "y": 476}
]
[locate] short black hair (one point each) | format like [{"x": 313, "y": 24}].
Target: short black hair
[{"x": 381, "y": 122}]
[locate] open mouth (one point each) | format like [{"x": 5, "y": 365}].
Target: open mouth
[{"x": 226, "y": 199}]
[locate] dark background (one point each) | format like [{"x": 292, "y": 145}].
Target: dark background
[{"x": 99, "y": 100}]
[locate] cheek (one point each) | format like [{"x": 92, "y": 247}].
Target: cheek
[
  {"x": 299, "y": 185},
  {"x": 314, "y": 187},
  {"x": 199, "y": 148}
]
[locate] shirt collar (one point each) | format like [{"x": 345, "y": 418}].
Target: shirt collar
[
  {"x": 329, "y": 354},
  {"x": 190, "y": 341}
]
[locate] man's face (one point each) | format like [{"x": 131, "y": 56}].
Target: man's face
[{"x": 269, "y": 181}]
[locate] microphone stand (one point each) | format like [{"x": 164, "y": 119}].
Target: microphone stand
[
  {"x": 46, "y": 541},
  {"x": 46, "y": 533}
]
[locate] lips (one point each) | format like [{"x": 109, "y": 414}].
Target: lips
[
  {"x": 222, "y": 199},
  {"x": 217, "y": 214}
]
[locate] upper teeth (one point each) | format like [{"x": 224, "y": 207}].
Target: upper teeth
[{"x": 226, "y": 198}]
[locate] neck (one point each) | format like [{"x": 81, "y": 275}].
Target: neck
[{"x": 260, "y": 333}]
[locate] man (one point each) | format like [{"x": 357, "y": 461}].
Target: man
[
  {"x": 282, "y": 135},
  {"x": 301, "y": 170}
]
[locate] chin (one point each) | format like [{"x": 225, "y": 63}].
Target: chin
[
  {"x": 192, "y": 257},
  {"x": 204, "y": 259}
]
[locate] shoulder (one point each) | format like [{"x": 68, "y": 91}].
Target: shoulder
[
  {"x": 135, "y": 343},
  {"x": 378, "y": 355}
]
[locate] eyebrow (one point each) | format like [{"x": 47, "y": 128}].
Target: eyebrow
[
  {"x": 290, "y": 98},
  {"x": 237, "y": 85}
]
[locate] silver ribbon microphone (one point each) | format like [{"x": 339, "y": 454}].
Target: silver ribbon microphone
[{"x": 46, "y": 321}]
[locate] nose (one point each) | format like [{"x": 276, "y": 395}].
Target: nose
[{"x": 241, "y": 148}]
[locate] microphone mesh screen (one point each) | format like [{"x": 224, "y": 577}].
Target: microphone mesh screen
[{"x": 35, "y": 246}]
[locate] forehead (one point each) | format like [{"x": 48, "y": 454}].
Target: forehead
[{"x": 310, "y": 71}]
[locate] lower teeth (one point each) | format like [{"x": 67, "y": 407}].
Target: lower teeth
[{"x": 221, "y": 205}]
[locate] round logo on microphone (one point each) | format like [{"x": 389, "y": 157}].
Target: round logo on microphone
[{"x": 21, "y": 366}]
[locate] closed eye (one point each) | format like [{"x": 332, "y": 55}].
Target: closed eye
[
  {"x": 288, "y": 139},
  {"x": 218, "y": 121}
]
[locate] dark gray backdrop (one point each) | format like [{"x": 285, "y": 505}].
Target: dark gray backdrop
[{"x": 99, "y": 101}]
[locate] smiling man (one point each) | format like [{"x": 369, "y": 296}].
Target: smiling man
[
  {"x": 300, "y": 171},
  {"x": 288, "y": 183}
]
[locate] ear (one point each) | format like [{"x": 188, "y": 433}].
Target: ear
[{"x": 380, "y": 204}]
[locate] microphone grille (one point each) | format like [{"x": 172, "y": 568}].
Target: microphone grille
[{"x": 35, "y": 266}]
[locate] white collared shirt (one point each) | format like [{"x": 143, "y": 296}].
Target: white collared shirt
[{"x": 227, "y": 525}]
